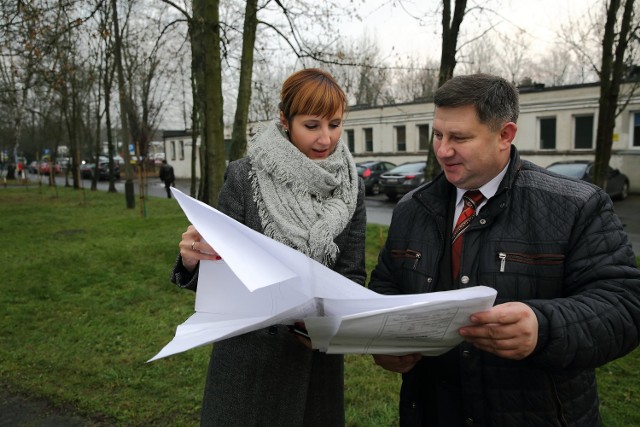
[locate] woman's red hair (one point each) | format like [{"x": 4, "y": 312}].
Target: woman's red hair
[{"x": 311, "y": 91}]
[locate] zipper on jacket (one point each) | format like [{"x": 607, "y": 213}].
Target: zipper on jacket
[
  {"x": 531, "y": 259},
  {"x": 407, "y": 253}
]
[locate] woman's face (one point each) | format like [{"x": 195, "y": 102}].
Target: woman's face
[{"x": 316, "y": 137}]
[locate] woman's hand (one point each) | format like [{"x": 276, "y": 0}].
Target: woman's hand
[{"x": 194, "y": 249}]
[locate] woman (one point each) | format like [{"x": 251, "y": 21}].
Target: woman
[{"x": 298, "y": 185}]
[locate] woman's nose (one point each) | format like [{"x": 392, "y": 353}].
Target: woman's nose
[{"x": 324, "y": 137}]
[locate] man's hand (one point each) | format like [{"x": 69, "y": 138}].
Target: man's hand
[
  {"x": 400, "y": 364},
  {"x": 507, "y": 330}
]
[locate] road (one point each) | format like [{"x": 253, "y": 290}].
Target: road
[{"x": 379, "y": 209}]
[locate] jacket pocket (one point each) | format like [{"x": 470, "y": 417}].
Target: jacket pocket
[
  {"x": 529, "y": 259},
  {"x": 412, "y": 256},
  {"x": 523, "y": 270},
  {"x": 410, "y": 268}
]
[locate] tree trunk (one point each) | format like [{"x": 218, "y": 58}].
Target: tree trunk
[
  {"x": 239, "y": 135},
  {"x": 211, "y": 98},
  {"x": 124, "y": 109},
  {"x": 450, "y": 31},
  {"x": 611, "y": 74}
]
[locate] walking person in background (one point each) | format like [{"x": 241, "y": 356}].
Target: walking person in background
[
  {"x": 298, "y": 185},
  {"x": 20, "y": 169},
  {"x": 568, "y": 286},
  {"x": 167, "y": 176}
]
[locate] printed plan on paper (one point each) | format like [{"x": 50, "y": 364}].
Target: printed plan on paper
[{"x": 260, "y": 282}]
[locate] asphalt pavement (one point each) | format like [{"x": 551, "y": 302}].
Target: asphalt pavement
[{"x": 379, "y": 209}]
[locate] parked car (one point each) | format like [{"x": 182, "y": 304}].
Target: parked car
[
  {"x": 402, "y": 179},
  {"x": 45, "y": 168},
  {"x": 617, "y": 182},
  {"x": 87, "y": 170},
  {"x": 370, "y": 172}
]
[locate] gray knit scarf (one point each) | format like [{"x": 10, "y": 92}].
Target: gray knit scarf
[{"x": 302, "y": 203}]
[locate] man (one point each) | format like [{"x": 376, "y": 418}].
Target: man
[
  {"x": 167, "y": 176},
  {"x": 568, "y": 285}
]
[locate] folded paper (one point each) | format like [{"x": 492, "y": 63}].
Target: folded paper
[{"x": 260, "y": 282}]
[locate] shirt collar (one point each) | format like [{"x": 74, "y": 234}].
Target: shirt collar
[{"x": 489, "y": 189}]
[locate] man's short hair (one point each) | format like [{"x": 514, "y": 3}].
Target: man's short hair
[{"x": 496, "y": 100}]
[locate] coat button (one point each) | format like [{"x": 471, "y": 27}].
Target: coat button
[
  {"x": 273, "y": 330},
  {"x": 429, "y": 279},
  {"x": 466, "y": 354},
  {"x": 483, "y": 221},
  {"x": 464, "y": 280},
  {"x": 468, "y": 421}
]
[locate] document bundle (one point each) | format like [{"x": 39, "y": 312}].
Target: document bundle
[{"x": 260, "y": 282}]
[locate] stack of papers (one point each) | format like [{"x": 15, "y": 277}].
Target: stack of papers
[{"x": 260, "y": 282}]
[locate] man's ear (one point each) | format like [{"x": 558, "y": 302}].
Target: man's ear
[{"x": 508, "y": 134}]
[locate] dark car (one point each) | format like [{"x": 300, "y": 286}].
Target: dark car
[
  {"x": 87, "y": 170},
  {"x": 617, "y": 182},
  {"x": 370, "y": 172},
  {"x": 402, "y": 179}
]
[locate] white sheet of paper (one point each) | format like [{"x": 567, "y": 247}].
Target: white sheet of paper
[{"x": 260, "y": 282}]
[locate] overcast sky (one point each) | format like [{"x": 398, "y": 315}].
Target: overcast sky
[{"x": 396, "y": 29}]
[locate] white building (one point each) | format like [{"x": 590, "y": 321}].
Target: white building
[{"x": 555, "y": 124}]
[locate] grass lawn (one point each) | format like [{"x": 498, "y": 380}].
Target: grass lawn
[{"x": 86, "y": 300}]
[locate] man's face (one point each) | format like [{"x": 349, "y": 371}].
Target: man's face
[{"x": 469, "y": 153}]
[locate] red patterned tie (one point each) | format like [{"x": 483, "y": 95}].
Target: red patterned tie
[{"x": 471, "y": 200}]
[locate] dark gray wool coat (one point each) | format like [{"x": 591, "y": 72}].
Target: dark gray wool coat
[{"x": 267, "y": 377}]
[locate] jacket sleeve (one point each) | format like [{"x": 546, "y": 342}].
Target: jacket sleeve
[
  {"x": 598, "y": 317},
  {"x": 384, "y": 277},
  {"x": 230, "y": 202},
  {"x": 350, "y": 262}
]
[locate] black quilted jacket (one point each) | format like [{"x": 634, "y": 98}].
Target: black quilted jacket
[{"x": 549, "y": 241}]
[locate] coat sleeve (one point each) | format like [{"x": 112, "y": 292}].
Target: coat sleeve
[
  {"x": 350, "y": 262},
  {"x": 598, "y": 318},
  {"x": 385, "y": 278},
  {"x": 231, "y": 203}
]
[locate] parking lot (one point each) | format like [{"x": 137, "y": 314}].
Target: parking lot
[{"x": 380, "y": 209}]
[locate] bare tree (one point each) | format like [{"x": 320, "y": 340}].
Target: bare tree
[
  {"x": 21, "y": 52},
  {"x": 450, "y": 30},
  {"x": 414, "y": 80},
  {"x": 239, "y": 136},
  {"x": 128, "y": 127},
  {"x": 206, "y": 19},
  {"x": 618, "y": 32},
  {"x": 512, "y": 55}
]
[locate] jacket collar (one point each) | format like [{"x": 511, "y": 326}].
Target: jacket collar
[{"x": 435, "y": 195}]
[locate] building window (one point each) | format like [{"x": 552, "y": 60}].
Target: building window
[
  {"x": 548, "y": 133},
  {"x": 636, "y": 130},
  {"x": 401, "y": 138},
  {"x": 368, "y": 140},
  {"x": 583, "y": 135},
  {"x": 173, "y": 150},
  {"x": 423, "y": 137},
  {"x": 350, "y": 143},
  {"x": 181, "y": 150}
]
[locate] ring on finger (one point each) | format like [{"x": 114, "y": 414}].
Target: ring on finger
[{"x": 193, "y": 246}]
